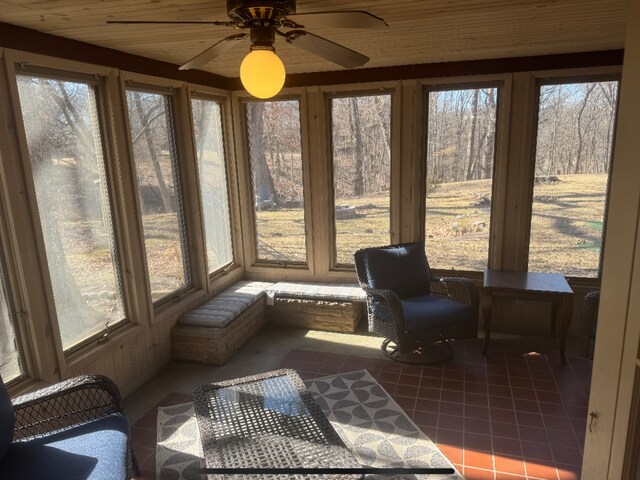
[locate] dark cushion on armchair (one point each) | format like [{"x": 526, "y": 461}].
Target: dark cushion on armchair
[
  {"x": 97, "y": 450},
  {"x": 7, "y": 420},
  {"x": 431, "y": 311},
  {"x": 403, "y": 269}
]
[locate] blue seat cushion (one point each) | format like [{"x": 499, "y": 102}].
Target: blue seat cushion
[
  {"x": 97, "y": 450},
  {"x": 403, "y": 269},
  {"x": 431, "y": 311},
  {"x": 7, "y": 420}
]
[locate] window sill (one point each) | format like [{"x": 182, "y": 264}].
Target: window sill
[
  {"x": 178, "y": 304},
  {"x": 284, "y": 265},
  {"x": 97, "y": 347}
]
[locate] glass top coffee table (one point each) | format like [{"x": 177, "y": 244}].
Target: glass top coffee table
[{"x": 267, "y": 421}]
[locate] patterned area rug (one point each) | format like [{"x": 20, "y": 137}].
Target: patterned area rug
[{"x": 368, "y": 420}]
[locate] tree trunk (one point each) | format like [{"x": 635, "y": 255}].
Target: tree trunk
[
  {"x": 472, "y": 134},
  {"x": 576, "y": 168},
  {"x": 611, "y": 98},
  {"x": 202, "y": 125},
  {"x": 358, "y": 180},
  {"x": 551, "y": 157},
  {"x": 263, "y": 187},
  {"x": 153, "y": 154}
]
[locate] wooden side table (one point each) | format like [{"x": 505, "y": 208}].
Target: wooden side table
[{"x": 550, "y": 287}]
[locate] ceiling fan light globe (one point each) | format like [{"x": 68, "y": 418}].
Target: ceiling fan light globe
[{"x": 262, "y": 73}]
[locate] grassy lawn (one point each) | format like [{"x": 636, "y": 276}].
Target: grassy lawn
[{"x": 565, "y": 235}]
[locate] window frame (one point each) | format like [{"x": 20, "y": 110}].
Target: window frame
[
  {"x": 11, "y": 278},
  {"x": 99, "y": 81},
  {"x": 222, "y": 100},
  {"x": 10, "y": 247},
  {"x": 16, "y": 314},
  {"x": 348, "y": 91},
  {"x": 179, "y": 129},
  {"x": 49, "y": 362},
  {"x": 563, "y": 78},
  {"x": 252, "y": 261},
  {"x": 502, "y": 90}
]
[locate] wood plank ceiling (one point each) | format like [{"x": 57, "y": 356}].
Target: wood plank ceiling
[{"x": 420, "y": 31}]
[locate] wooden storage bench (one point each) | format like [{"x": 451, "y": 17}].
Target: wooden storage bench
[
  {"x": 328, "y": 307},
  {"x": 214, "y": 331}
]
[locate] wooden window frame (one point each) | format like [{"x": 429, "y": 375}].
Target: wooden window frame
[
  {"x": 496, "y": 186},
  {"x": 255, "y": 267},
  {"x": 562, "y": 78},
  {"x": 180, "y": 128},
  {"x": 44, "y": 350},
  {"x": 329, "y": 263},
  {"x": 222, "y": 98}
]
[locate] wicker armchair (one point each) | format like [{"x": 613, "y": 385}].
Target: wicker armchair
[
  {"x": 65, "y": 418},
  {"x": 589, "y": 322},
  {"x": 415, "y": 312}
]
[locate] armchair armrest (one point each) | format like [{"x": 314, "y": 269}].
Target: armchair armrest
[
  {"x": 460, "y": 290},
  {"x": 71, "y": 402},
  {"x": 390, "y": 299}
]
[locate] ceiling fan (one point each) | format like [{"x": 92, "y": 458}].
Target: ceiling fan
[{"x": 262, "y": 72}]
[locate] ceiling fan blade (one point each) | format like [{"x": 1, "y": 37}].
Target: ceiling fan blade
[
  {"x": 162, "y": 22},
  {"x": 339, "y": 19},
  {"x": 214, "y": 50},
  {"x": 343, "y": 56}
]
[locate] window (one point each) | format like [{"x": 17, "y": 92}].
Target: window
[
  {"x": 573, "y": 157},
  {"x": 361, "y": 148},
  {"x": 461, "y": 134},
  {"x": 207, "y": 124},
  {"x": 66, "y": 153},
  {"x": 275, "y": 151},
  {"x": 154, "y": 155}
]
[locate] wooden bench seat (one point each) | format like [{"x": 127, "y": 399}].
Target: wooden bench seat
[
  {"x": 214, "y": 331},
  {"x": 327, "y": 307}
]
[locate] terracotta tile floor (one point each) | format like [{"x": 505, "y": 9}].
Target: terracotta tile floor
[{"x": 513, "y": 415}]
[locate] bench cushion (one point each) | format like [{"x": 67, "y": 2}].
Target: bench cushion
[
  {"x": 98, "y": 450},
  {"x": 223, "y": 308},
  {"x": 337, "y": 292}
]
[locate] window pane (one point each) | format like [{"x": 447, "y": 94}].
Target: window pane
[
  {"x": 361, "y": 135},
  {"x": 275, "y": 151},
  {"x": 158, "y": 187},
  {"x": 65, "y": 149},
  {"x": 207, "y": 123},
  {"x": 573, "y": 156},
  {"x": 460, "y": 151}
]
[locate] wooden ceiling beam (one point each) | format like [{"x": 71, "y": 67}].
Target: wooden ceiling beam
[
  {"x": 453, "y": 69},
  {"x": 26, "y": 39}
]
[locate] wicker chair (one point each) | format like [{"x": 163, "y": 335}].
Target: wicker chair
[
  {"x": 415, "y": 312},
  {"x": 589, "y": 322},
  {"x": 73, "y": 429}
]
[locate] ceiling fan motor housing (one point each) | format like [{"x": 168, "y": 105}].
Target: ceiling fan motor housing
[{"x": 250, "y": 12}]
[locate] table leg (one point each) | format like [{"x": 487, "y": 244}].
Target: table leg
[
  {"x": 567, "y": 315},
  {"x": 554, "y": 315},
  {"x": 487, "y": 300}
]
